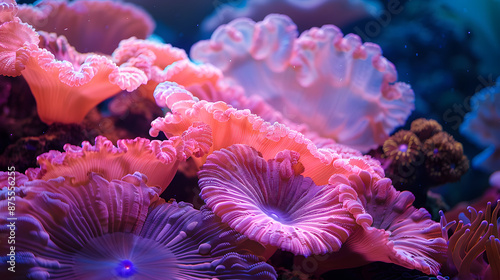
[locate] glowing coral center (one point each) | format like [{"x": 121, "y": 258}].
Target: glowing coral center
[
  {"x": 123, "y": 256},
  {"x": 277, "y": 214},
  {"x": 403, "y": 148},
  {"x": 125, "y": 269}
]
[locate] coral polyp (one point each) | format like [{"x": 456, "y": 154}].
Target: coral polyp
[{"x": 403, "y": 148}]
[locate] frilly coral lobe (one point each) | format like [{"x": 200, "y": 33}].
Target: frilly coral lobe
[
  {"x": 416, "y": 241},
  {"x": 63, "y": 81},
  {"x": 153, "y": 58},
  {"x": 158, "y": 160},
  {"x": 71, "y": 93},
  {"x": 317, "y": 79},
  {"x": 15, "y": 37},
  {"x": 392, "y": 229},
  {"x": 226, "y": 126}
]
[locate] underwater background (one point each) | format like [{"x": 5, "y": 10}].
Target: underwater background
[{"x": 447, "y": 51}]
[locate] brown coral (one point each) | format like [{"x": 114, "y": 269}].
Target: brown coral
[
  {"x": 403, "y": 155},
  {"x": 445, "y": 159},
  {"x": 403, "y": 147},
  {"x": 425, "y": 128}
]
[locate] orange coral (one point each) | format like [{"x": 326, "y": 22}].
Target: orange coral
[
  {"x": 475, "y": 237},
  {"x": 66, "y": 91},
  {"x": 158, "y": 160},
  {"x": 66, "y": 84}
]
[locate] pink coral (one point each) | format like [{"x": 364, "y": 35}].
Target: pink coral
[
  {"x": 89, "y": 26},
  {"x": 316, "y": 79},
  {"x": 65, "y": 83},
  {"x": 120, "y": 229},
  {"x": 413, "y": 239},
  {"x": 149, "y": 56},
  {"x": 164, "y": 63},
  {"x": 270, "y": 202}
]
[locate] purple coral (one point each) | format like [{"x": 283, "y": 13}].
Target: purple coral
[
  {"x": 120, "y": 228},
  {"x": 269, "y": 201}
]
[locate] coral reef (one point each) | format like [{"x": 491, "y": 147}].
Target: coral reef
[{"x": 279, "y": 149}]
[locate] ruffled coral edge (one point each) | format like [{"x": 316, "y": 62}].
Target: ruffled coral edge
[{"x": 229, "y": 126}]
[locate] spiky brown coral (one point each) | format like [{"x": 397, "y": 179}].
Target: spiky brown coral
[
  {"x": 422, "y": 157},
  {"x": 403, "y": 153},
  {"x": 403, "y": 147},
  {"x": 445, "y": 159}
]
